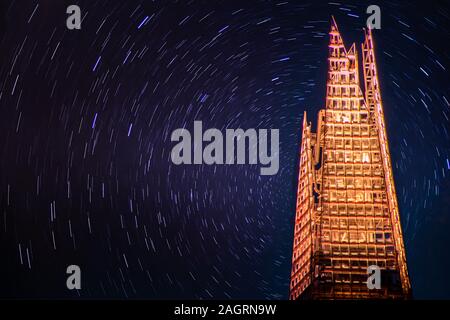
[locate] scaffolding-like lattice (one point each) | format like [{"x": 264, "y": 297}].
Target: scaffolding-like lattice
[{"x": 347, "y": 213}]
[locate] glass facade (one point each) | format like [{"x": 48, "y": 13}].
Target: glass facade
[{"x": 347, "y": 215}]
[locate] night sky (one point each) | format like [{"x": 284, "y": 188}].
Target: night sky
[{"x": 85, "y": 123}]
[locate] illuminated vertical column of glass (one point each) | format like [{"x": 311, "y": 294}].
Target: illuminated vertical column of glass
[
  {"x": 302, "y": 247},
  {"x": 343, "y": 228},
  {"x": 374, "y": 101}
]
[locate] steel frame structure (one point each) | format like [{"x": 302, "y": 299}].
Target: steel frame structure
[{"x": 347, "y": 216}]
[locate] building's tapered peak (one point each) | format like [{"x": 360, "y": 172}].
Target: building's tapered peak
[
  {"x": 335, "y": 38},
  {"x": 334, "y": 26},
  {"x": 305, "y": 121},
  {"x": 337, "y": 45},
  {"x": 343, "y": 90}
]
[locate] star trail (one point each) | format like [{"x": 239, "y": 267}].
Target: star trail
[{"x": 86, "y": 117}]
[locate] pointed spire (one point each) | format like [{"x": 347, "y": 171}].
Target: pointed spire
[
  {"x": 334, "y": 27},
  {"x": 305, "y": 122},
  {"x": 334, "y": 24},
  {"x": 335, "y": 38}
]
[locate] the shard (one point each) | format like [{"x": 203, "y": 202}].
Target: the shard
[{"x": 347, "y": 217}]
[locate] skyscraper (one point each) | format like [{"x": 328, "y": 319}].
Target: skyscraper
[{"x": 347, "y": 216}]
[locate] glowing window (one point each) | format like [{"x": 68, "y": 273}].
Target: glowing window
[{"x": 365, "y": 157}]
